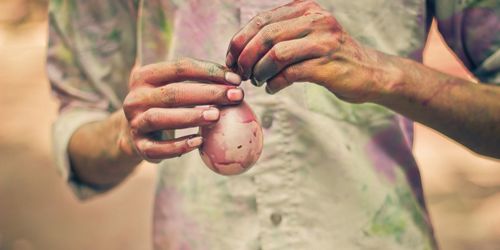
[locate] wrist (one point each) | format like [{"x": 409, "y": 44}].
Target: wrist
[
  {"x": 394, "y": 80},
  {"x": 375, "y": 78}
]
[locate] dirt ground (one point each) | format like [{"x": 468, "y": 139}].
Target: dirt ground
[{"x": 38, "y": 211}]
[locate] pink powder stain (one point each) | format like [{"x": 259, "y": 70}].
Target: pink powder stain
[
  {"x": 197, "y": 22},
  {"x": 171, "y": 228}
]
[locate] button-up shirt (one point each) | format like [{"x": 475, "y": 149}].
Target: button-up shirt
[{"x": 332, "y": 175}]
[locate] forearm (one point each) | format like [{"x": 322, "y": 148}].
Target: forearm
[
  {"x": 463, "y": 110},
  {"x": 100, "y": 153}
]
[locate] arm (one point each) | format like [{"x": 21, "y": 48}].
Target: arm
[
  {"x": 98, "y": 143},
  {"x": 301, "y": 42},
  {"x": 158, "y": 101},
  {"x": 86, "y": 130},
  {"x": 465, "y": 111},
  {"x": 101, "y": 153}
]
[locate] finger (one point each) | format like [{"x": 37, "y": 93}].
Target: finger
[
  {"x": 269, "y": 36},
  {"x": 155, "y": 119},
  {"x": 185, "y": 69},
  {"x": 180, "y": 95},
  {"x": 294, "y": 73},
  {"x": 240, "y": 39},
  {"x": 287, "y": 53},
  {"x": 153, "y": 151}
]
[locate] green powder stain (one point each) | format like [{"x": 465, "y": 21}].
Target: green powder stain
[
  {"x": 166, "y": 27},
  {"x": 399, "y": 217},
  {"x": 388, "y": 221},
  {"x": 115, "y": 35},
  {"x": 407, "y": 200}
]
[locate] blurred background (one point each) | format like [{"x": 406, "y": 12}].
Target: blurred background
[{"x": 38, "y": 211}]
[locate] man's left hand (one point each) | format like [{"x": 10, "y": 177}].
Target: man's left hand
[{"x": 302, "y": 42}]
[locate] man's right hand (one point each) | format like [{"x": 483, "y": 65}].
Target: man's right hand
[{"x": 167, "y": 96}]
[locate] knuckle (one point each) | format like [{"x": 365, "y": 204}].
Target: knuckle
[
  {"x": 182, "y": 147},
  {"x": 311, "y": 4},
  {"x": 213, "y": 69},
  {"x": 182, "y": 64},
  {"x": 195, "y": 116},
  {"x": 319, "y": 48},
  {"x": 236, "y": 43},
  {"x": 134, "y": 126},
  {"x": 131, "y": 103},
  {"x": 243, "y": 61},
  {"x": 306, "y": 4},
  {"x": 261, "y": 20},
  {"x": 169, "y": 95},
  {"x": 267, "y": 34},
  {"x": 280, "y": 53},
  {"x": 131, "y": 99},
  {"x": 149, "y": 118},
  {"x": 316, "y": 17},
  {"x": 184, "y": 61},
  {"x": 331, "y": 22},
  {"x": 290, "y": 74},
  {"x": 219, "y": 94},
  {"x": 136, "y": 77},
  {"x": 233, "y": 43}
]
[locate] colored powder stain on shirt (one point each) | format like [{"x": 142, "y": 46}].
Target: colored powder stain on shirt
[{"x": 388, "y": 221}]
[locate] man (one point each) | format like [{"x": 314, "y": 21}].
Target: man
[{"x": 333, "y": 175}]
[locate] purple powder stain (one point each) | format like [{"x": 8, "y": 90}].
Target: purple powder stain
[
  {"x": 382, "y": 162},
  {"x": 417, "y": 55},
  {"x": 171, "y": 228},
  {"x": 471, "y": 34},
  {"x": 391, "y": 148}
]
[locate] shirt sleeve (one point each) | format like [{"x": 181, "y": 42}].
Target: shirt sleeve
[
  {"x": 472, "y": 30},
  {"x": 87, "y": 70}
]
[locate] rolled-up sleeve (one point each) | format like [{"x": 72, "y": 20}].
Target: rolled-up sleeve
[
  {"x": 91, "y": 51},
  {"x": 80, "y": 102},
  {"x": 472, "y": 30}
]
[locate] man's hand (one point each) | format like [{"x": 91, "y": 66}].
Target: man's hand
[
  {"x": 301, "y": 41},
  {"x": 159, "y": 99},
  {"x": 167, "y": 96}
]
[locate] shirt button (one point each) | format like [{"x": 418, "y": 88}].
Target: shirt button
[
  {"x": 276, "y": 218},
  {"x": 267, "y": 120}
]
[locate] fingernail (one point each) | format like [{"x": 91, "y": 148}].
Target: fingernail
[
  {"x": 194, "y": 142},
  {"x": 235, "y": 95},
  {"x": 229, "y": 59},
  {"x": 269, "y": 90},
  {"x": 211, "y": 114},
  {"x": 233, "y": 78},
  {"x": 256, "y": 82}
]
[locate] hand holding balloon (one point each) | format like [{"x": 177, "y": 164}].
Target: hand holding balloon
[{"x": 233, "y": 144}]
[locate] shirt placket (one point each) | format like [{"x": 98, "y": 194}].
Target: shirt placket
[{"x": 275, "y": 174}]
